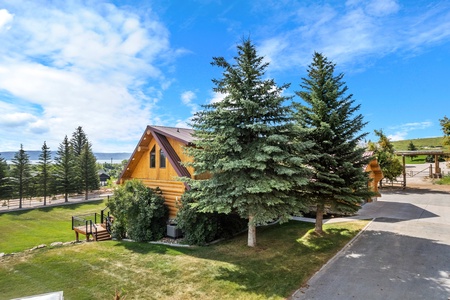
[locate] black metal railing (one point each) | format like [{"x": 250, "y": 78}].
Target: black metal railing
[
  {"x": 86, "y": 220},
  {"x": 106, "y": 219}
]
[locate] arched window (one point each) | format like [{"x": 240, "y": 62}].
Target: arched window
[
  {"x": 162, "y": 159},
  {"x": 153, "y": 158}
]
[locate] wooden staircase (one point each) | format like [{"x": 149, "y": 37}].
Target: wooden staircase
[{"x": 102, "y": 234}]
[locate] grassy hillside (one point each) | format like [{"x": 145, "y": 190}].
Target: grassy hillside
[{"x": 421, "y": 144}]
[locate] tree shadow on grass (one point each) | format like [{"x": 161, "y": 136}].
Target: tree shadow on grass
[{"x": 286, "y": 256}]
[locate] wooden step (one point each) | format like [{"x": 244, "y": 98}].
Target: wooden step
[{"x": 102, "y": 234}]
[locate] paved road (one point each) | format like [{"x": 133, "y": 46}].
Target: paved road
[{"x": 403, "y": 254}]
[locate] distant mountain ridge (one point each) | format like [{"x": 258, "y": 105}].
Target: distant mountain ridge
[{"x": 34, "y": 155}]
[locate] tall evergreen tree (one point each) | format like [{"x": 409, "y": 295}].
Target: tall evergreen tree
[
  {"x": 64, "y": 168},
  {"x": 21, "y": 172},
  {"x": 88, "y": 170},
  {"x": 244, "y": 143},
  {"x": 44, "y": 169},
  {"x": 4, "y": 182},
  {"x": 329, "y": 114},
  {"x": 78, "y": 141}
]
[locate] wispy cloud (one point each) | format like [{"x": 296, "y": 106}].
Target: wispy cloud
[
  {"x": 76, "y": 64},
  {"x": 352, "y": 32},
  {"x": 401, "y": 132}
]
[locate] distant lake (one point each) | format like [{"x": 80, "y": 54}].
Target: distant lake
[{"x": 115, "y": 158}]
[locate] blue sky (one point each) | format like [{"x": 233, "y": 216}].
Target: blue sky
[{"x": 114, "y": 67}]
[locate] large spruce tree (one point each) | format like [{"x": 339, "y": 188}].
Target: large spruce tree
[
  {"x": 44, "y": 169},
  {"x": 4, "y": 179},
  {"x": 88, "y": 170},
  {"x": 245, "y": 146},
  {"x": 334, "y": 126},
  {"x": 64, "y": 168},
  {"x": 21, "y": 173}
]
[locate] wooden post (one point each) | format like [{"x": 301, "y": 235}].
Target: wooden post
[
  {"x": 436, "y": 164},
  {"x": 404, "y": 171}
]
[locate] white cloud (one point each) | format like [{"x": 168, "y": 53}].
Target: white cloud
[
  {"x": 16, "y": 119},
  {"x": 382, "y": 7},
  {"x": 94, "y": 66},
  {"x": 217, "y": 97},
  {"x": 350, "y": 33},
  {"x": 187, "y": 99},
  {"x": 5, "y": 19},
  {"x": 401, "y": 131}
]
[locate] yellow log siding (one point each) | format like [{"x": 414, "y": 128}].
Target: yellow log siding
[
  {"x": 172, "y": 191},
  {"x": 164, "y": 178}
]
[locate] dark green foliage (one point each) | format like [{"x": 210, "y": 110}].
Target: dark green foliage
[
  {"x": 44, "y": 170},
  {"x": 139, "y": 212},
  {"x": 333, "y": 126},
  {"x": 445, "y": 124},
  {"x": 245, "y": 143},
  {"x": 64, "y": 171},
  {"x": 200, "y": 228},
  {"x": 430, "y": 158},
  {"x": 21, "y": 173},
  {"x": 87, "y": 166},
  {"x": 79, "y": 139},
  {"x": 77, "y": 143},
  {"x": 385, "y": 154},
  {"x": 85, "y": 177},
  {"x": 5, "y": 188}
]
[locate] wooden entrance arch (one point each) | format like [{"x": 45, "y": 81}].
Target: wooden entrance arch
[{"x": 435, "y": 153}]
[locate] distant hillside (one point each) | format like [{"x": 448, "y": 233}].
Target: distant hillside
[
  {"x": 34, "y": 155},
  {"x": 421, "y": 144}
]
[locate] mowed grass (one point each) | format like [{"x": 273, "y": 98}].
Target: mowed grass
[
  {"x": 286, "y": 256},
  {"x": 21, "y": 230}
]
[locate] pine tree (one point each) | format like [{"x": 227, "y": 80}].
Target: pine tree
[
  {"x": 88, "y": 169},
  {"x": 412, "y": 147},
  {"x": 4, "y": 182},
  {"x": 78, "y": 141},
  {"x": 329, "y": 115},
  {"x": 21, "y": 172},
  {"x": 244, "y": 143},
  {"x": 64, "y": 168},
  {"x": 44, "y": 169}
]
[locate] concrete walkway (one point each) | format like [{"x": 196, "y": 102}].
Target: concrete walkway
[
  {"x": 27, "y": 204},
  {"x": 404, "y": 253}
]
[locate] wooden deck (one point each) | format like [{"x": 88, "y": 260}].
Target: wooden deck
[{"x": 102, "y": 233}]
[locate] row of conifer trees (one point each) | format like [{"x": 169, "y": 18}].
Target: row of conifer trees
[{"x": 72, "y": 170}]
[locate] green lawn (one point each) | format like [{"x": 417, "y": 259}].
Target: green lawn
[
  {"x": 286, "y": 256},
  {"x": 25, "y": 229}
]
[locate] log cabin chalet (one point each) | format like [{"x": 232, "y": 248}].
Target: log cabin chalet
[{"x": 156, "y": 161}]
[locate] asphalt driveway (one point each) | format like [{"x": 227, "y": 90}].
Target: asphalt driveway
[{"x": 404, "y": 253}]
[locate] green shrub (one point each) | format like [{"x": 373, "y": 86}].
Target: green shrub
[
  {"x": 430, "y": 158},
  {"x": 201, "y": 228},
  {"x": 139, "y": 212}
]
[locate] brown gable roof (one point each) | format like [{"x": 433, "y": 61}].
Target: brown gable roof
[{"x": 160, "y": 134}]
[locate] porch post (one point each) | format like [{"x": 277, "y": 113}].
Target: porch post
[{"x": 404, "y": 171}]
